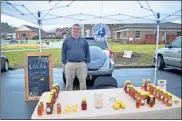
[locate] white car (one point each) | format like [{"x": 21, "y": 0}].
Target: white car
[{"x": 170, "y": 56}]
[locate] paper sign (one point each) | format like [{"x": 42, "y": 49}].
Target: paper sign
[
  {"x": 130, "y": 38},
  {"x": 162, "y": 84},
  {"x": 127, "y": 54}
]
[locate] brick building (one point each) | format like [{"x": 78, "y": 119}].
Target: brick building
[
  {"x": 62, "y": 32},
  {"x": 145, "y": 33},
  {"x": 140, "y": 33},
  {"x": 31, "y": 33}
]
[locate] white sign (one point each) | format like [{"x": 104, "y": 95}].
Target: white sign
[
  {"x": 130, "y": 38},
  {"x": 162, "y": 84},
  {"x": 100, "y": 32},
  {"x": 127, "y": 54}
]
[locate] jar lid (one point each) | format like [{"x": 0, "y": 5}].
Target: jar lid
[
  {"x": 83, "y": 98},
  {"x": 53, "y": 90},
  {"x": 169, "y": 94}
]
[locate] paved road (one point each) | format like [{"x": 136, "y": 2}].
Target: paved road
[{"x": 13, "y": 105}]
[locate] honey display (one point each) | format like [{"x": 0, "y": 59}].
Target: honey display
[
  {"x": 39, "y": 110},
  {"x": 84, "y": 104},
  {"x": 169, "y": 102},
  {"x": 58, "y": 108},
  {"x": 127, "y": 83}
]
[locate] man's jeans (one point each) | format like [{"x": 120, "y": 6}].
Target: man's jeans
[{"x": 75, "y": 69}]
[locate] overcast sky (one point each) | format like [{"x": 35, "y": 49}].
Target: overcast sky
[{"x": 92, "y": 7}]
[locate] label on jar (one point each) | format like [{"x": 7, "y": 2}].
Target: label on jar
[
  {"x": 48, "y": 109},
  {"x": 170, "y": 101},
  {"x": 127, "y": 89},
  {"x": 165, "y": 99},
  {"x": 162, "y": 96},
  {"x": 142, "y": 101}
]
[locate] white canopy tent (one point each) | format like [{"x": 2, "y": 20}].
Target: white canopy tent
[{"x": 93, "y": 12}]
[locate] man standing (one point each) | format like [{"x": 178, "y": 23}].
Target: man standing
[{"x": 75, "y": 57}]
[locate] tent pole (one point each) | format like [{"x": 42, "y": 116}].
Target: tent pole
[
  {"x": 156, "y": 54},
  {"x": 40, "y": 37}
]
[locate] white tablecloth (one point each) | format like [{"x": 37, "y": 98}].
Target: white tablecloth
[{"x": 159, "y": 111}]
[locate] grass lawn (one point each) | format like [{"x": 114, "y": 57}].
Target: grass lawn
[
  {"x": 138, "y": 48},
  {"x": 146, "y": 50},
  {"x": 20, "y": 46},
  {"x": 16, "y": 59}
]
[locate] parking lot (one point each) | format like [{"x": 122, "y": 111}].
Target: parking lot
[{"x": 13, "y": 101}]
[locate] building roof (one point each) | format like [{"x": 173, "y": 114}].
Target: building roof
[
  {"x": 168, "y": 25},
  {"x": 35, "y": 29}
]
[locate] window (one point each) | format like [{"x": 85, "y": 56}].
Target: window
[
  {"x": 102, "y": 44},
  {"x": 137, "y": 34},
  {"x": 124, "y": 33},
  {"x": 177, "y": 43}
]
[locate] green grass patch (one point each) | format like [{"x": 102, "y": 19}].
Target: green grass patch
[
  {"x": 16, "y": 59},
  {"x": 20, "y": 46},
  {"x": 138, "y": 48}
]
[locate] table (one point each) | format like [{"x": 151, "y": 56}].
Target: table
[{"x": 159, "y": 111}]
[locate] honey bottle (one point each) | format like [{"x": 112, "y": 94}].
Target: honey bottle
[
  {"x": 169, "y": 102},
  {"x": 42, "y": 106},
  {"x": 134, "y": 93},
  {"x": 165, "y": 97},
  {"x": 53, "y": 96},
  {"x": 142, "y": 102},
  {"x": 55, "y": 93},
  {"x": 151, "y": 102},
  {"x": 125, "y": 86},
  {"x": 58, "y": 108},
  {"x": 49, "y": 106},
  {"x": 84, "y": 104},
  {"x": 131, "y": 90},
  {"x": 153, "y": 89},
  {"x": 138, "y": 100},
  {"x": 147, "y": 84},
  {"x": 150, "y": 87},
  {"x": 161, "y": 97},
  {"x": 157, "y": 93},
  {"x": 39, "y": 110}
]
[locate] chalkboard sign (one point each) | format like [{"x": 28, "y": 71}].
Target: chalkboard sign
[{"x": 38, "y": 74}]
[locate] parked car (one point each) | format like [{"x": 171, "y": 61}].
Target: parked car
[
  {"x": 102, "y": 61},
  {"x": 170, "y": 56},
  {"x": 4, "y": 63}
]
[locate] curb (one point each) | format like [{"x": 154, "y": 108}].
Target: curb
[{"x": 121, "y": 66}]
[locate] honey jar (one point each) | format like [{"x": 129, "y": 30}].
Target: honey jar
[
  {"x": 157, "y": 93},
  {"x": 49, "y": 106},
  {"x": 39, "y": 110},
  {"x": 84, "y": 104},
  {"x": 150, "y": 98},
  {"x": 56, "y": 87},
  {"x": 42, "y": 106},
  {"x": 131, "y": 90},
  {"x": 53, "y": 97},
  {"x": 134, "y": 93},
  {"x": 169, "y": 102},
  {"x": 150, "y": 88},
  {"x": 142, "y": 99},
  {"x": 153, "y": 89},
  {"x": 165, "y": 99},
  {"x": 161, "y": 97},
  {"x": 151, "y": 102},
  {"x": 58, "y": 108},
  {"x": 138, "y": 101},
  {"x": 127, "y": 83}
]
